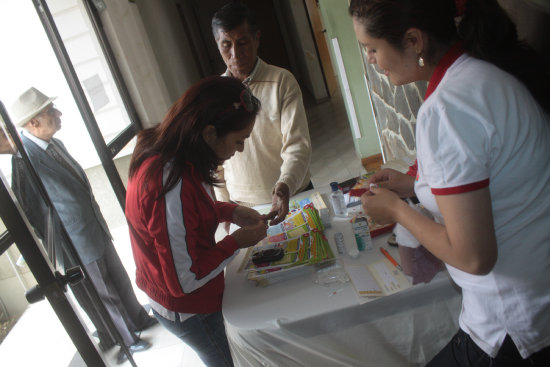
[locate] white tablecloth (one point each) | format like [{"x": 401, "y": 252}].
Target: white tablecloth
[{"x": 300, "y": 323}]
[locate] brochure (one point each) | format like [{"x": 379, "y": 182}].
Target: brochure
[
  {"x": 378, "y": 279},
  {"x": 301, "y": 238}
]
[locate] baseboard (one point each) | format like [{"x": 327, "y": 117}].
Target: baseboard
[{"x": 373, "y": 162}]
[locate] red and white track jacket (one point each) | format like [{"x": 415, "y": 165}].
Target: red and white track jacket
[{"x": 178, "y": 263}]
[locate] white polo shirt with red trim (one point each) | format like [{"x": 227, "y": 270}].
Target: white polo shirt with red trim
[{"x": 481, "y": 127}]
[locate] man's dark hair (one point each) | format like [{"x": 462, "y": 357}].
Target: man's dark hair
[{"x": 231, "y": 16}]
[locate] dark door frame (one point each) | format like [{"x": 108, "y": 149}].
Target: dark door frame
[{"x": 52, "y": 284}]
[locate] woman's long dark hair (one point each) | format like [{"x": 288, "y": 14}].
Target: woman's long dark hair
[
  {"x": 486, "y": 30},
  {"x": 216, "y": 101}
]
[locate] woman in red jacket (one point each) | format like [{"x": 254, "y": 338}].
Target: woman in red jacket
[{"x": 173, "y": 215}]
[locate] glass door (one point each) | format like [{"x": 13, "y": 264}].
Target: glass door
[
  {"x": 58, "y": 47},
  {"x": 74, "y": 30}
]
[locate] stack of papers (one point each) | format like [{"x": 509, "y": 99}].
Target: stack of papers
[
  {"x": 301, "y": 237},
  {"x": 378, "y": 279},
  {"x": 317, "y": 200}
]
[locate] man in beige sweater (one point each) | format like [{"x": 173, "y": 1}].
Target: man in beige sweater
[{"x": 275, "y": 163}]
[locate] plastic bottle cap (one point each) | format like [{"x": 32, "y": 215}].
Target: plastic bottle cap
[
  {"x": 334, "y": 186},
  {"x": 353, "y": 253}
]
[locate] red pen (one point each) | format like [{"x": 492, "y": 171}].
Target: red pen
[{"x": 392, "y": 260}]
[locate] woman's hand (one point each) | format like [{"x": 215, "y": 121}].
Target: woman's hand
[
  {"x": 250, "y": 235},
  {"x": 244, "y": 216},
  {"x": 381, "y": 205},
  {"x": 253, "y": 226},
  {"x": 400, "y": 183}
]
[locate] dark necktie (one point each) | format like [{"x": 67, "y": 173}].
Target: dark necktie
[{"x": 54, "y": 153}]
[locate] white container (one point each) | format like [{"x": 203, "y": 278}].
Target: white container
[{"x": 338, "y": 201}]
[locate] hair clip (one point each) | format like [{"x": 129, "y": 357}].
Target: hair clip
[{"x": 247, "y": 100}]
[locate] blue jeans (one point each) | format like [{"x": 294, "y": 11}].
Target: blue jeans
[
  {"x": 205, "y": 333},
  {"x": 463, "y": 352}
]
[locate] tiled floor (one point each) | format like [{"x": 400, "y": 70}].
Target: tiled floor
[{"x": 38, "y": 339}]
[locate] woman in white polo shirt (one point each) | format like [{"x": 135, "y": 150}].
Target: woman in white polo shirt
[{"x": 483, "y": 152}]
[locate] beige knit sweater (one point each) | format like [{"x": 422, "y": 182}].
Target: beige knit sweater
[{"x": 279, "y": 148}]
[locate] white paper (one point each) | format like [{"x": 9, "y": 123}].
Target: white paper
[{"x": 364, "y": 282}]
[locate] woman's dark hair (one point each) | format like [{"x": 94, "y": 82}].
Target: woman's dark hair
[
  {"x": 486, "y": 30},
  {"x": 231, "y": 16},
  {"x": 222, "y": 102}
]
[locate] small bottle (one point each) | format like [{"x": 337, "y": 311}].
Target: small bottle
[
  {"x": 361, "y": 230},
  {"x": 338, "y": 201}
]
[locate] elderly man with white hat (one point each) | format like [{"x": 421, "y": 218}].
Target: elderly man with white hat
[{"x": 71, "y": 194}]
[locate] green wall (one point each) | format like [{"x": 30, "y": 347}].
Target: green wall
[{"x": 338, "y": 24}]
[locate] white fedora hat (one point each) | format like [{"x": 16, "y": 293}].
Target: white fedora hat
[{"x": 28, "y": 105}]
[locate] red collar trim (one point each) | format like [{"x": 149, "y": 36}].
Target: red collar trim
[{"x": 446, "y": 61}]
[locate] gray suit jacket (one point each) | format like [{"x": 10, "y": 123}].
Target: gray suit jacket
[{"x": 73, "y": 199}]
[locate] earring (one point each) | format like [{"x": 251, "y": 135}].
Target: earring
[{"x": 420, "y": 61}]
